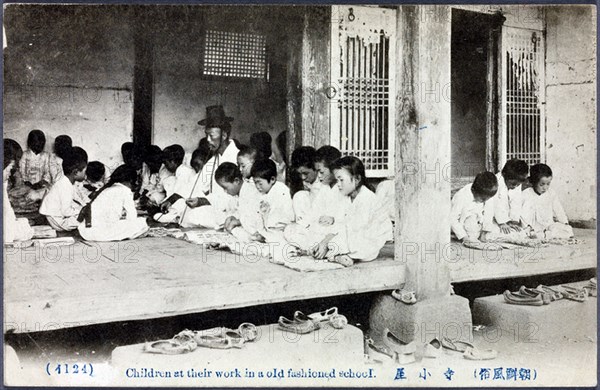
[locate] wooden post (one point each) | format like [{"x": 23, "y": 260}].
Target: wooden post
[
  {"x": 422, "y": 236},
  {"x": 316, "y": 75},
  {"x": 422, "y": 233}
]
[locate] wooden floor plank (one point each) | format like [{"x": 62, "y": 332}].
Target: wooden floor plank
[{"x": 159, "y": 277}]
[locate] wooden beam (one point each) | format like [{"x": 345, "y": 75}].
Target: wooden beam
[{"x": 423, "y": 147}]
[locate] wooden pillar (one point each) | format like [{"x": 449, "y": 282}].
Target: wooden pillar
[
  {"x": 294, "y": 83},
  {"x": 315, "y": 65},
  {"x": 422, "y": 233}
]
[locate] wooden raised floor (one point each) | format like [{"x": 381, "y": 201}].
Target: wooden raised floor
[{"x": 92, "y": 283}]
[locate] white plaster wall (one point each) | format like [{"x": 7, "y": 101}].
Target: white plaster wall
[
  {"x": 571, "y": 107},
  {"x": 69, "y": 70}
]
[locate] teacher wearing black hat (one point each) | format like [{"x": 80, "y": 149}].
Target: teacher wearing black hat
[{"x": 217, "y": 127}]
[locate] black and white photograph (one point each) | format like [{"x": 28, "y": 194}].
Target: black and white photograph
[{"x": 299, "y": 195}]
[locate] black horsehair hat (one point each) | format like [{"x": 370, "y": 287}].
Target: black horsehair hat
[{"x": 215, "y": 117}]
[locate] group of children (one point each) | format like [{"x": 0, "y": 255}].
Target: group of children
[
  {"x": 495, "y": 207},
  {"x": 242, "y": 189},
  {"x": 222, "y": 185}
]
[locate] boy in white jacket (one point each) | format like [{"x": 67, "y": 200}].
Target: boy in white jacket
[
  {"x": 472, "y": 209},
  {"x": 542, "y": 211}
]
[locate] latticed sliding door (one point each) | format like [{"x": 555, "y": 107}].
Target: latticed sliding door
[
  {"x": 522, "y": 133},
  {"x": 362, "y": 93}
]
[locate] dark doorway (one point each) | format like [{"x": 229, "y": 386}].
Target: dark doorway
[{"x": 474, "y": 49}]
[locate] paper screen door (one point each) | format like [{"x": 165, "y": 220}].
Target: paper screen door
[
  {"x": 522, "y": 132},
  {"x": 362, "y": 85}
]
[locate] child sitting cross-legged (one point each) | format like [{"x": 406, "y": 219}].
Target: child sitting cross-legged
[
  {"x": 35, "y": 167},
  {"x": 473, "y": 209},
  {"x": 541, "y": 209},
  {"x": 274, "y": 205},
  {"x": 176, "y": 186},
  {"x": 111, "y": 214},
  {"x": 62, "y": 203},
  {"x": 326, "y": 212},
  {"x": 508, "y": 201},
  {"x": 247, "y": 216},
  {"x": 303, "y": 163},
  {"x": 365, "y": 226}
]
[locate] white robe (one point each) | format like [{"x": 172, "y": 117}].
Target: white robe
[
  {"x": 271, "y": 224},
  {"x": 62, "y": 205},
  {"x": 329, "y": 202},
  {"x": 544, "y": 213},
  {"x": 15, "y": 229},
  {"x": 153, "y": 183},
  {"x": 303, "y": 202},
  {"x": 507, "y": 203},
  {"x": 365, "y": 229},
  {"x": 249, "y": 200},
  {"x": 469, "y": 218},
  {"x": 181, "y": 182},
  {"x": 114, "y": 216}
]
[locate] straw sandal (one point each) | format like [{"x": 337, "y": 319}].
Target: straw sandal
[
  {"x": 456, "y": 345},
  {"x": 183, "y": 342},
  {"x": 517, "y": 299},
  {"x": 555, "y": 295},
  {"x": 477, "y": 354},
  {"x": 296, "y": 325},
  {"x": 377, "y": 354},
  {"x": 575, "y": 294},
  {"x": 405, "y": 296},
  {"x": 325, "y": 315},
  {"x": 469, "y": 351},
  {"x": 395, "y": 344},
  {"x": 532, "y": 292},
  {"x": 433, "y": 349}
]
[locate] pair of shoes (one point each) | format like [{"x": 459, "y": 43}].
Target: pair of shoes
[
  {"x": 404, "y": 296},
  {"x": 469, "y": 351},
  {"x": 301, "y": 324},
  {"x": 182, "y": 343},
  {"x": 518, "y": 299},
  {"x": 331, "y": 316},
  {"x": 574, "y": 293},
  {"x": 404, "y": 352},
  {"x": 534, "y": 292},
  {"x": 221, "y": 338},
  {"x": 555, "y": 295}
]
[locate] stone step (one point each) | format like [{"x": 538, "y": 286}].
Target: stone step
[{"x": 560, "y": 319}]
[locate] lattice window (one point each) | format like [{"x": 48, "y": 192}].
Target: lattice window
[
  {"x": 523, "y": 133},
  {"x": 232, "y": 54},
  {"x": 363, "y": 83}
]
